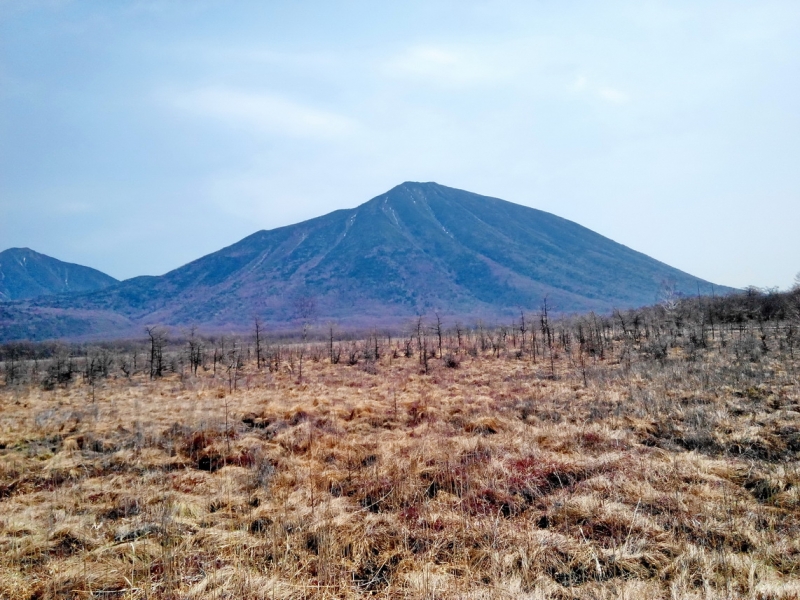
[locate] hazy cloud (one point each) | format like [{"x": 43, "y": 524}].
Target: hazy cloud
[
  {"x": 454, "y": 66},
  {"x": 582, "y": 84},
  {"x": 612, "y": 95},
  {"x": 266, "y": 112}
]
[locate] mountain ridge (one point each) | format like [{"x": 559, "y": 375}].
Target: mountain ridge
[{"x": 418, "y": 248}]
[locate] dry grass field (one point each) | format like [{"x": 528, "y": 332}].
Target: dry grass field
[{"x": 630, "y": 473}]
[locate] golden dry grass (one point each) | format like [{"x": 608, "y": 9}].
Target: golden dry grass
[{"x": 658, "y": 479}]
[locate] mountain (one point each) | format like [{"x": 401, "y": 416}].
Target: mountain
[
  {"x": 419, "y": 248},
  {"x": 26, "y": 274}
]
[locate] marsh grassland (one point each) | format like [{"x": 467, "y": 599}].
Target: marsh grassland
[{"x": 642, "y": 457}]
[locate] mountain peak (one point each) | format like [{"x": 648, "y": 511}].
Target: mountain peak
[
  {"x": 20, "y": 252},
  {"x": 416, "y": 187},
  {"x": 25, "y": 274},
  {"x": 411, "y": 192},
  {"x": 419, "y": 184}
]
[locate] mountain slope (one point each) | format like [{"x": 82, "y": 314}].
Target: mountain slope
[
  {"x": 419, "y": 248},
  {"x": 26, "y": 274}
]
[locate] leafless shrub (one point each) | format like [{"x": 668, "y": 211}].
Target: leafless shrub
[{"x": 451, "y": 361}]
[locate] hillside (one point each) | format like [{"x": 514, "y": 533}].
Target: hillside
[
  {"x": 26, "y": 274},
  {"x": 417, "y": 249}
]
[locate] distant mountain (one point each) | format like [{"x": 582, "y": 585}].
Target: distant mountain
[
  {"x": 419, "y": 248},
  {"x": 26, "y": 274}
]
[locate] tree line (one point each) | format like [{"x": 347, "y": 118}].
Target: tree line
[{"x": 748, "y": 323}]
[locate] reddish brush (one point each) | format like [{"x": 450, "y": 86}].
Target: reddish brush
[{"x": 628, "y": 470}]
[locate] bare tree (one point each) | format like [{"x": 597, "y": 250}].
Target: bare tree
[
  {"x": 581, "y": 357},
  {"x": 234, "y": 364},
  {"x": 300, "y": 363},
  {"x": 305, "y": 310},
  {"x": 439, "y": 333},
  {"x": 547, "y": 335},
  {"x": 334, "y": 356},
  {"x": 258, "y": 342},
  {"x": 12, "y": 367},
  {"x": 158, "y": 340},
  {"x": 668, "y": 296},
  {"x": 195, "y": 351},
  {"x": 408, "y": 351},
  {"x": 420, "y": 336}
]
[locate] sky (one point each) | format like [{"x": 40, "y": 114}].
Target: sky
[{"x": 138, "y": 136}]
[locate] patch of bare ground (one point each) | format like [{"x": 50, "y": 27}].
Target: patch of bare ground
[{"x": 478, "y": 471}]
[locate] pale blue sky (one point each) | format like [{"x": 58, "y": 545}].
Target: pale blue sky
[{"x": 137, "y": 136}]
